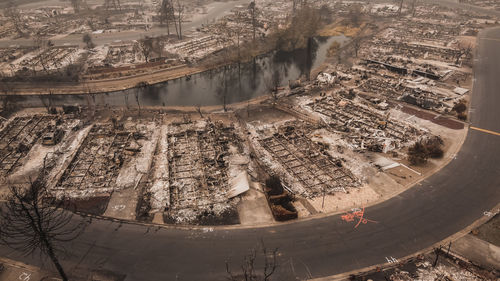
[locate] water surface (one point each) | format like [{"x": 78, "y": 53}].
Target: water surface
[{"x": 230, "y": 84}]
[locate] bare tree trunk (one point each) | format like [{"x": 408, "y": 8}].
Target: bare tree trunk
[
  {"x": 45, "y": 104},
  {"x": 170, "y": 15},
  {"x": 198, "y": 109},
  {"x": 253, "y": 23},
  {"x": 45, "y": 241},
  {"x": 29, "y": 224},
  {"x": 180, "y": 10},
  {"x": 239, "y": 51},
  {"x": 137, "y": 100},
  {"x": 252, "y": 12},
  {"x": 225, "y": 91},
  {"x": 55, "y": 261},
  {"x": 176, "y": 29},
  {"x": 180, "y": 29},
  {"x": 175, "y": 23}
]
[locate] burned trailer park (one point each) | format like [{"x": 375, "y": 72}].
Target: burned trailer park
[{"x": 385, "y": 107}]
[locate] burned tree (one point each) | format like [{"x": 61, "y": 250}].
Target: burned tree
[
  {"x": 295, "y": 3},
  {"x": 112, "y": 3},
  {"x": 425, "y": 149},
  {"x": 274, "y": 82},
  {"x": 301, "y": 31},
  {"x": 227, "y": 81},
  {"x": 249, "y": 268},
  {"x": 146, "y": 47},
  {"x": 91, "y": 103},
  {"x": 355, "y": 14},
  {"x": 76, "y": 4},
  {"x": 87, "y": 39},
  {"x": 198, "y": 109},
  {"x": 12, "y": 12},
  {"x": 413, "y": 7},
  {"x": 252, "y": 9},
  {"x": 460, "y": 108},
  {"x": 180, "y": 16},
  {"x": 463, "y": 51},
  {"x": 237, "y": 30},
  {"x": 140, "y": 87},
  {"x": 46, "y": 100},
  {"x": 325, "y": 13},
  {"x": 170, "y": 12},
  {"x": 7, "y": 97},
  {"x": 30, "y": 224},
  {"x": 166, "y": 13},
  {"x": 38, "y": 41},
  {"x": 307, "y": 22},
  {"x": 356, "y": 44}
]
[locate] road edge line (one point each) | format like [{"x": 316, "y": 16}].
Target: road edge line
[{"x": 345, "y": 276}]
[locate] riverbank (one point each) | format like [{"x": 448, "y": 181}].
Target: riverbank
[
  {"x": 149, "y": 76},
  {"x": 224, "y": 85},
  {"x": 104, "y": 86},
  {"x": 101, "y": 86}
]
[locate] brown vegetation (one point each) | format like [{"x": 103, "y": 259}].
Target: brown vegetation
[
  {"x": 460, "y": 108},
  {"x": 333, "y": 49},
  {"x": 424, "y": 149},
  {"x": 302, "y": 27}
]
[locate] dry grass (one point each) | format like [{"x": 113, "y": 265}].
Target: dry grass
[{"x": 336, "y": 29}]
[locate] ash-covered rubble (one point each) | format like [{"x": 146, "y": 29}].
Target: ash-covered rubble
[
  {"x": 490, "y": 4},
  {"x": 18, "y": 137},
  {"x": 361, "y": 124},
  {"x": 413, "y": 60},
  {"x": 231, "y": 30},
  {"x": 194, "y": 172},
  {"x": 304, "y": 166},
  {"x": 98, "y": 161}
]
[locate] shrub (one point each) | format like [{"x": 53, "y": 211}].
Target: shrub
[
  {"x": 434, "y": 147},
  {"x": 462, "y": 116},
  {"x": 424, "y": 149},
  {"x": 460, "y": 107},
  {"x": 417, "y": 154}
]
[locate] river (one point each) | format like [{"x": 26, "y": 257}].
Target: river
[{"x": 230, "y": 84}]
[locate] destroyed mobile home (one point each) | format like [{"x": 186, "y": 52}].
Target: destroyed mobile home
[
  {"x": 327, "y": 137},
  {"x": 117, "y": 58},
  {"x": 197, "y": 173},
  {"x": 307, "y": 169},
  {"x": 188, "y": 170}
]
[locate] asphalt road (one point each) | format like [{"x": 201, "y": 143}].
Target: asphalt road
[{"x": 440, "y": 206}]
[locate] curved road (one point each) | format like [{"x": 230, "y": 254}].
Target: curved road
[{"x": 440, "y": 206}]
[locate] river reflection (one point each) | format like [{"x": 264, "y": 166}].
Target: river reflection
[{"x": 229, "y": 84}]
